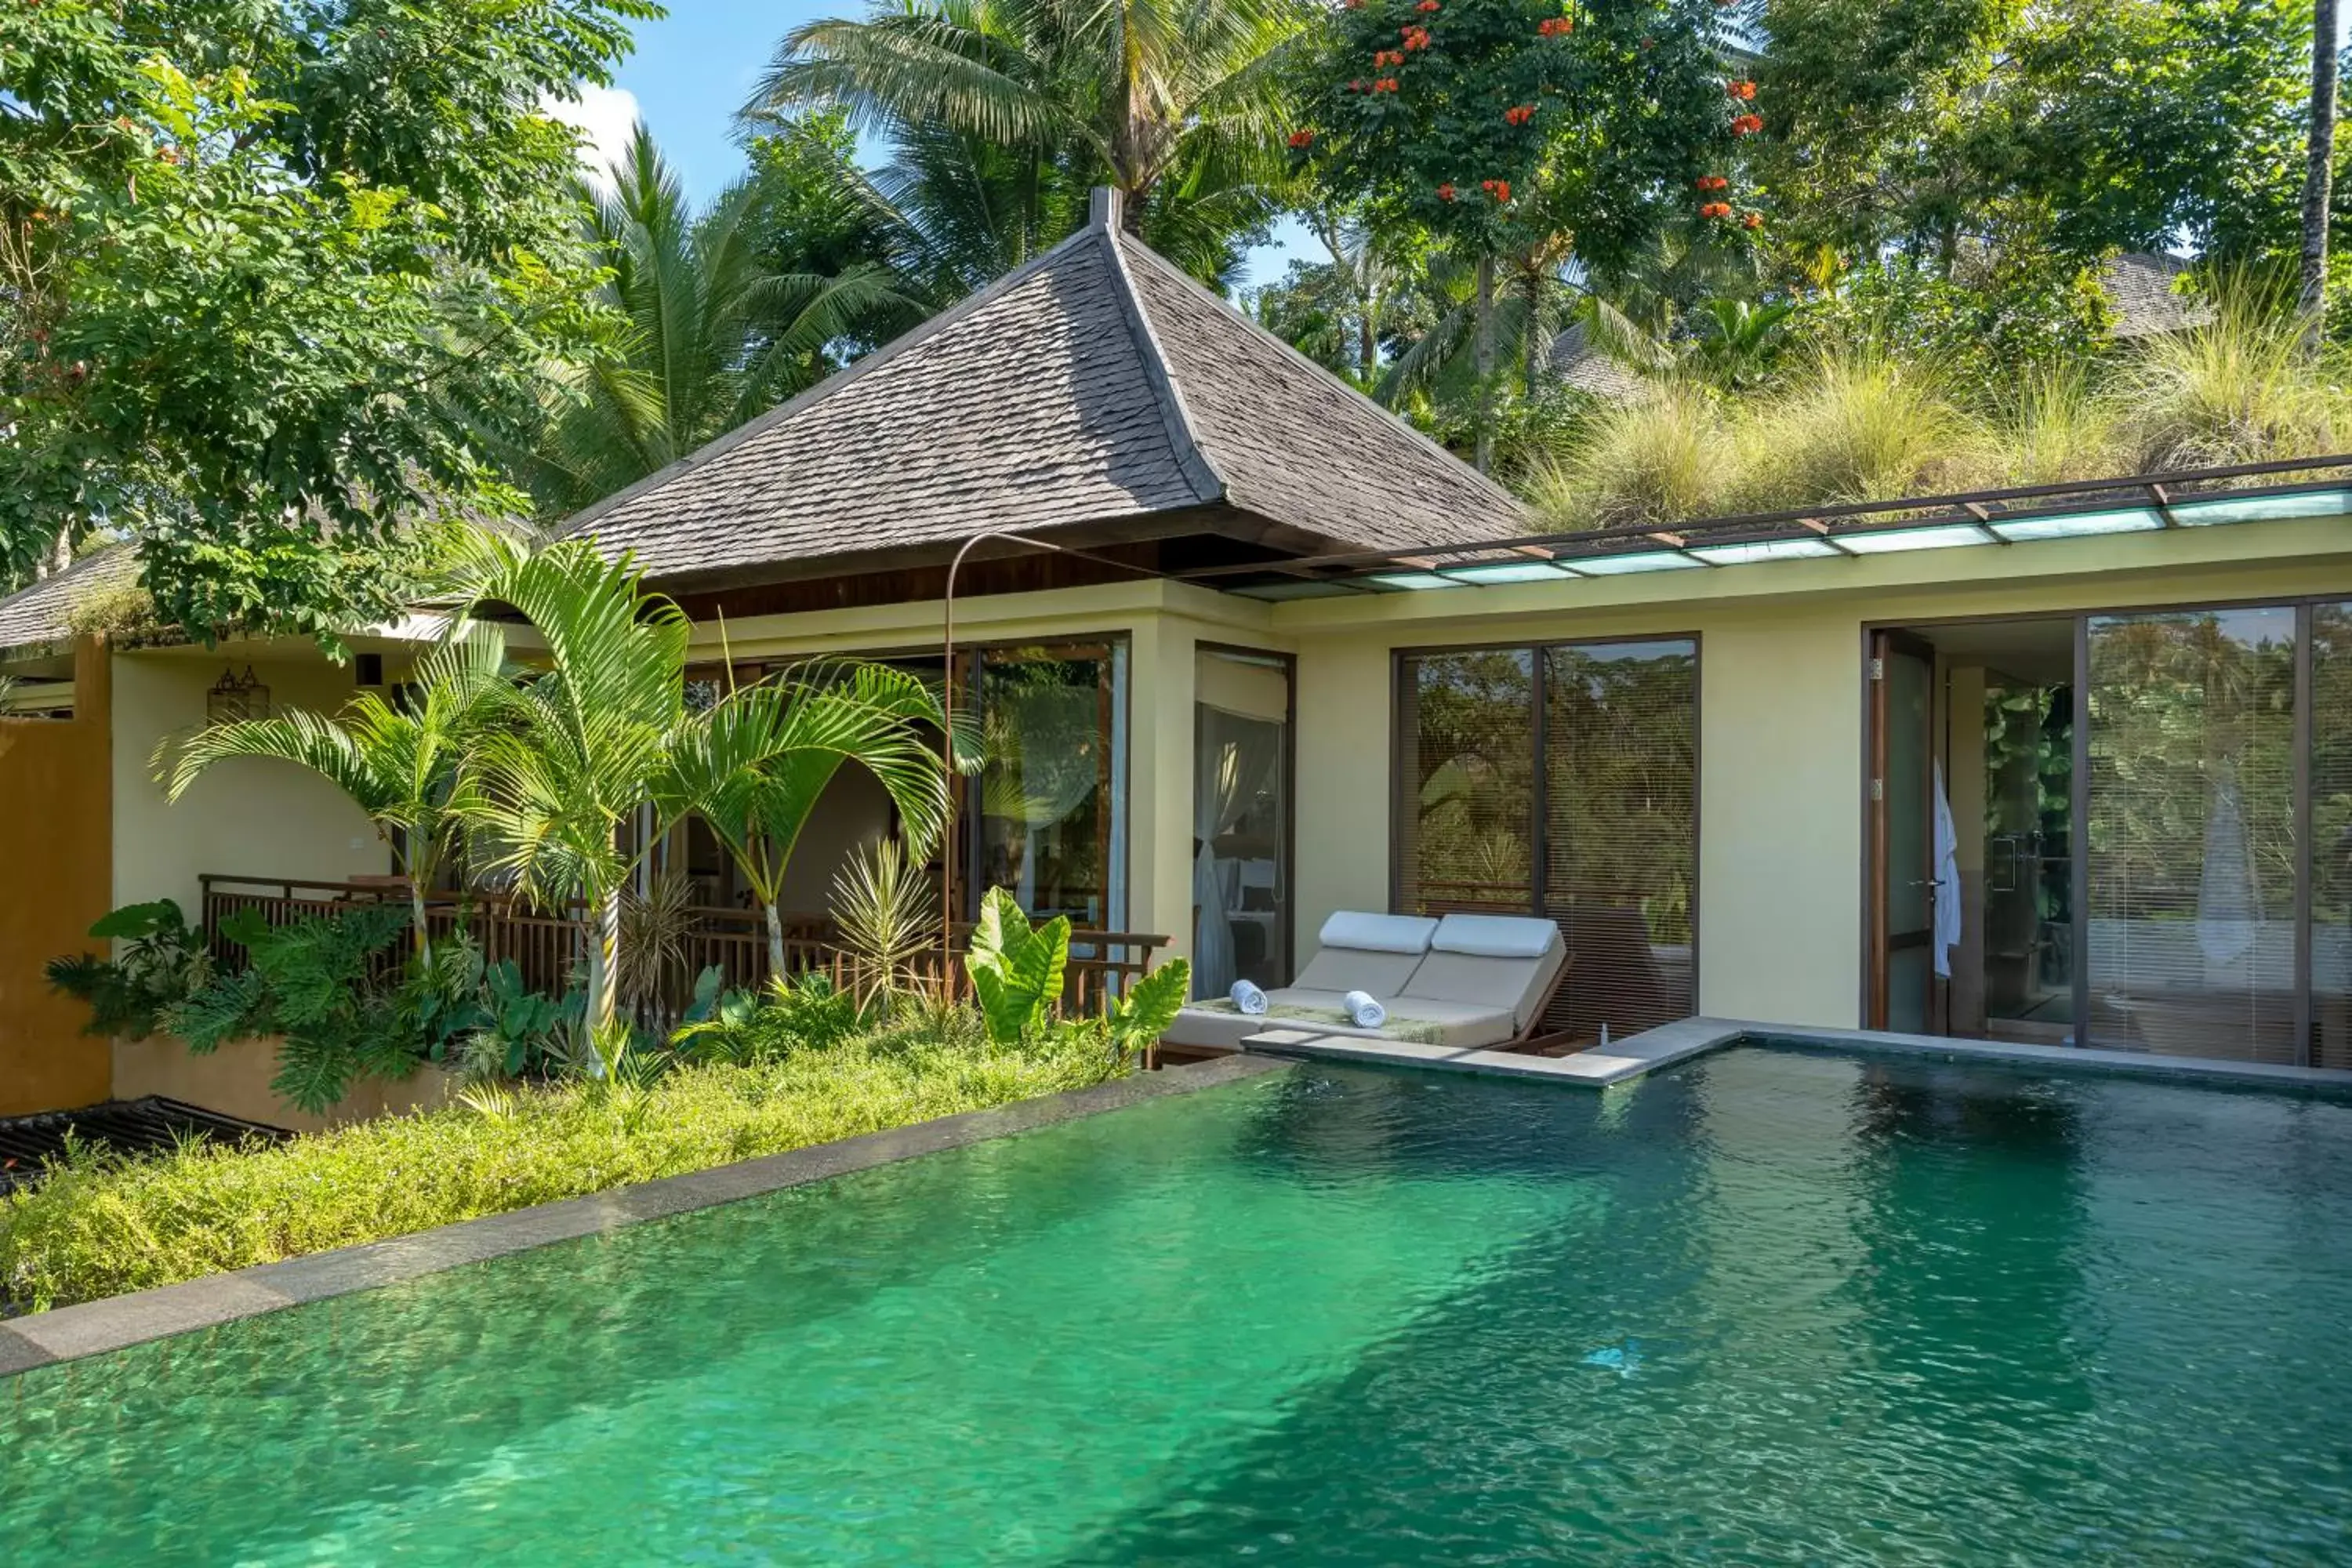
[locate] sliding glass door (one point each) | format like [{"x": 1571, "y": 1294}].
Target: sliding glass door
[
  {"x": 2192, "y": 811},
  {"x": 1561, "y": 780},
  {"x": 1241, "y": 819}
]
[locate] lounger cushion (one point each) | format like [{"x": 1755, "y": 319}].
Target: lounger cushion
[
  {"x": 1496, "y": 936},
  {"x": 1342, "y": 969},
  {"x": 1458, "y": 1026},
  {"x": 1379, "y": 933},
  {"x": 1516, "y": 986}
]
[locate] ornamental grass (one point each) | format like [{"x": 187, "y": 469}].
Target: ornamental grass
[
  {"x": 1851, "y": 423},
  {"x": 99, "y": 1226}
]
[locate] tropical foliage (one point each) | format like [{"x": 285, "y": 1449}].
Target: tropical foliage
[
  {"x": 721, "y": 323},
  {"x": 161, "y": 960},
  {"x": 258, "y": 306},
  {"x": 400, "y": 761},
  {"x": 99, "y": 1226},
  {"x": 1179, "y": 105}
]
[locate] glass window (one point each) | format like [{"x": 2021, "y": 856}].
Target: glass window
[
  {"x": 1241, "y": 820},
  {"x": 1051, "y": 818},
  {"x": 2191, "y": 834},
  {"x": 1466, "y": 821},
  {"x": 1605, "y": 737},
  {"x": 1621, "y": 751},
  {"x": 2331, "y": 835}
]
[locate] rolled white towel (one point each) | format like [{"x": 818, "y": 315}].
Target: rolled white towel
[
  {"x": 1248, "y": 999},
  {"x": 1364, "y": 1009}
]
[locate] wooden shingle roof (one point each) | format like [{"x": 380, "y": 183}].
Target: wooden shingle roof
[
  {"x": 1096, "y": 387},
  {"x": 42, "y": 613}
]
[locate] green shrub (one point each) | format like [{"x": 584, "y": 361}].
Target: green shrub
[
  {"x": 99, "y": 1227},
  {"x": 162, "y": 961}
]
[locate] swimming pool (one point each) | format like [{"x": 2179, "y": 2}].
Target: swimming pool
[{"x": 1772, "y": 1306}]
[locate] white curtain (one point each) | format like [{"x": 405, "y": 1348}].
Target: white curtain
[{"x": 1239, "y": 760}]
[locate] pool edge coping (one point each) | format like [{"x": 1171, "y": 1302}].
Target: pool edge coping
[
  {"x": 1670, "y": 1045},
  {"x": 117, "y": 1323}
]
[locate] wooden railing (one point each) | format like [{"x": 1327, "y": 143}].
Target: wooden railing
[{"x": 550, "y": 949}]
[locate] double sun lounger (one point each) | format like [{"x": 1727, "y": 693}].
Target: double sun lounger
[{"x": 1463, "y": 981}]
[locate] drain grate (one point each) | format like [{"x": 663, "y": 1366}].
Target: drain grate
[{"x": 121, "y": 1126}]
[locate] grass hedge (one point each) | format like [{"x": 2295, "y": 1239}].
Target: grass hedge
[{"x": 99, "y": 1226}]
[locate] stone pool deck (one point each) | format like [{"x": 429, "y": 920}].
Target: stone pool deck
[
  {"x": 1638, "y": 1054},
  {"x": 93, "y": 1327}
]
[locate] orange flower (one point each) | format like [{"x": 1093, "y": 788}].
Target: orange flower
[
  {"x": 1743, "y": 90},
  {"x": 1753, "y": 220},
  {"x": 1498, "y": 189},
  {"x": 1302, "y": 138},
  {"x": 1386, "y": 84},
  {"x": 1426, "y": 6},
  {"x": 1415, "y": 38},
  {"x": 1519, "y": 114},
  {"x": 1554, "y": 27},
  {"x": 1445, "y": 193},
  {"x": 1712, "y": 182},
  {"x": 1747, "y": 125}
]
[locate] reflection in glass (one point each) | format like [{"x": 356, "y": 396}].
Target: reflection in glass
[
  {"x": 1241, "y": 821},
  {"x": 2331, "y": 835},
  {"x": 1604, "y": 737},
  {"x": 1050, "y": 819},
  {"x": 2191, "y": 831},
  {"x": 1466, "y": 831}
]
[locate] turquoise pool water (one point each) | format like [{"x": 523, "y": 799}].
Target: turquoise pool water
[{"x": 1775, "y": 1307}]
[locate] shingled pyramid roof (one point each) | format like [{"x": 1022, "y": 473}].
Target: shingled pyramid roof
[{"x": 1097, "y": 390}]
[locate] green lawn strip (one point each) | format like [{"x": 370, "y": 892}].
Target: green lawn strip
[{"x": 97, "y": 1226}]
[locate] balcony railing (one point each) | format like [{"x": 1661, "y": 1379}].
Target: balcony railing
[{"x": 550, "y": 951}]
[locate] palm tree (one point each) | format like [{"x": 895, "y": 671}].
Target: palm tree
[
  {"x": 582, "y": 744},
  {"x": 754, "y": 767},
  {"x": 1179, "y": 104},
  {"x": 2319, "y": 173},
  {"x": 401, "y": 764},
  {"x": 714, "y": 335}
]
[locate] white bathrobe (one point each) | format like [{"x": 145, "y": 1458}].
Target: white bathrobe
[{"x": 1947, "y": 881}]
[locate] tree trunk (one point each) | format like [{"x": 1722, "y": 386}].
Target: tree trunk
[
  {"x": 2319, "y": 172},
  {"x": 416, "y": 912},
  {"x": 605, "y": 964},
  {"x": 1530, "y": 340},
  {"x": 775, "y": 943},
  {"x": 1368, "y": 341},
  {"x": 1482, "y": 361}
]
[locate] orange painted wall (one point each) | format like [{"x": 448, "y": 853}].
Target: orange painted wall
[{"x": 57, "y": 875}]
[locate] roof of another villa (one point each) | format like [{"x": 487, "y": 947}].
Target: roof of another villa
[
  {"x": 1097, "y": 390},
  {"x": 43, "y": 612}
]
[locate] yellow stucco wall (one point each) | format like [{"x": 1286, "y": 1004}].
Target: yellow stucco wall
[
  {"x": 54, "y": 875},
  {"x": 244, "y": 817}
]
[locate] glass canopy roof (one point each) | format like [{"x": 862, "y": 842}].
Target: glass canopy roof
[{"x": 1988, "y": 520}]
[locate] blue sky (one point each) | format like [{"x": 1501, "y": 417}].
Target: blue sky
[{"x": 693, "y": 69}]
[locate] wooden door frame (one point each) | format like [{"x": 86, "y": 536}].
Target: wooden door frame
[{"x": 1886, "y": 642}]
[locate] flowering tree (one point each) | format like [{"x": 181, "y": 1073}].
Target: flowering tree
[{"x": 1531, "y": 126}]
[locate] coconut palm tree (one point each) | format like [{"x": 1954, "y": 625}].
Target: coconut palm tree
[
  {"x": 714, "y": 335},
  {"x": 754, "y": 766},
  {"x": 402, "y": 763},
  {"x": 1179, "y": 104}
]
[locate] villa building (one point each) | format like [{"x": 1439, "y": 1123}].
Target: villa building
[{"x": 2071, "y": 765}]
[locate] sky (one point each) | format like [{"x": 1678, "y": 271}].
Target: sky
[{"x": 692, "y": 70}]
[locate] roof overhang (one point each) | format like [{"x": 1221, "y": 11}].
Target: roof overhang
[{"x": 2204, "y": 498}]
